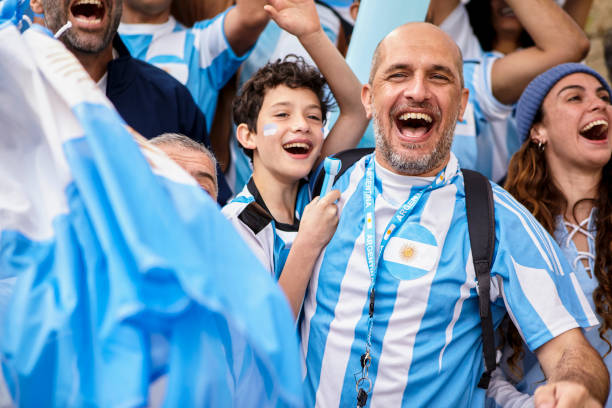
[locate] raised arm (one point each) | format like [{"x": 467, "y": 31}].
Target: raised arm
[
  {"x": 577, "y": 377},
  {"x": 578, "y": 10},
  {"x": 317, "y": 226},
  {"x": 557, "y": 39},
  {"x": 300, "y": 18},
  {"x": 244, "y": 23},
  {"x": 439, "y": 10}
]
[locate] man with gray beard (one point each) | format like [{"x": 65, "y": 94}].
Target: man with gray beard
[
  {"x": 151, "y": 101},
  {"x": 391, "y": 315}
]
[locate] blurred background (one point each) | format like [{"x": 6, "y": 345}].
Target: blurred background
[{"x": 599, "y": 30}]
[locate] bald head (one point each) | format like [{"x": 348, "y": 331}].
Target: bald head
[
  {"x": 415, "y": 97},
  {"x": 425, "y": 34}
]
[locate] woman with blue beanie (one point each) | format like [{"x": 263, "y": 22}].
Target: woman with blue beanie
[{"x": 563, "y": 174}]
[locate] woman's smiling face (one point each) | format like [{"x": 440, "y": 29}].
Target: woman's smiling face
[{"x": 576, "y": 115}]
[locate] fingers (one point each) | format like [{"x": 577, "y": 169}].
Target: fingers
[
  {"x": 325, "y": 206},
  {"x": 331, "y": 197},
  {"x": 544, "y": 396},
  {"x": 564, "y": 394},
  {"x": 272, "y": 12}
]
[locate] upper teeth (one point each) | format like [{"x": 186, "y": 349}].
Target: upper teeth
[
  {"x": 297, "y": 144},
  {"x": 593, "y": 124},
  {"x": 412, "y": 115},
  {"x": 96, "y": 2}
]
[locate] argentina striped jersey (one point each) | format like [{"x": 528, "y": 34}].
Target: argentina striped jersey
[
  {"x": 426, "y": 337},
  {"x": 486, "y": 138},
  {"x": 502, "y": 390},
  {"x": 269, "y": 239},
  {"x": 200, "y": 57}
]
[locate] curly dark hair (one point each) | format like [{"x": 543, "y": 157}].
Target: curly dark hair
[
  {"x": 530, "y": 182},
  {"x": 293, "y": 72},
  {"x": 481, "y": 19}
]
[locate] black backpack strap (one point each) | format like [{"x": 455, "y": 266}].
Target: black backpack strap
[
  {"x": 481, "y": 226},
  {"x": 347, "y": 158}
]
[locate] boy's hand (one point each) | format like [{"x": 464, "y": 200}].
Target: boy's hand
[
  {"x": 298, "y": 17},
  {"x": 319, "y": 220}
]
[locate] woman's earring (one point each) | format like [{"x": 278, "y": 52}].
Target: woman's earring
[{"x": 541, "y": 146}]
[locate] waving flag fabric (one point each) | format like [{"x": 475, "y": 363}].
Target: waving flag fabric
[{"x": 115, "y": 266}]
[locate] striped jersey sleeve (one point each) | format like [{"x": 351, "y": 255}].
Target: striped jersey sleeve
[
  {"x": 200, "y": 57},
  {"x": 538, "y": 286},
  {"x": 486, "y": 138}
]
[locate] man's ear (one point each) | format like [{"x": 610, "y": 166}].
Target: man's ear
[
  {"x": 246, "y": 137},
  {"x": 366, "y": 99},
  {"x": 36, "y": 6},
  {"x": 465, "y": 95}
]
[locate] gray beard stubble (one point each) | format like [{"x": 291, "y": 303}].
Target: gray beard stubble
[{"x": 423, "y": 164}]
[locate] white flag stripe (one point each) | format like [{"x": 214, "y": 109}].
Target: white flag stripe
[{"x": 411, "y": 253}]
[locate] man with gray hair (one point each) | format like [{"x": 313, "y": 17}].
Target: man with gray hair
[
  {"x": 391, "y": 316},
  {"x": 193, "y": 157}
]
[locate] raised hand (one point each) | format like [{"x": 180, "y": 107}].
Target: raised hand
[
  {"x": 320, "y": 219},
  {"x": 564, "y": 394},
  {"x": 298, "y": 17}
]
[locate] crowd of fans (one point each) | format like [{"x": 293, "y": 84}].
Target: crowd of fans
[{"x": 376, "y": 263}]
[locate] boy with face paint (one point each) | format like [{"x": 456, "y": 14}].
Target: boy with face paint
[{"x": 280, "y": 115}]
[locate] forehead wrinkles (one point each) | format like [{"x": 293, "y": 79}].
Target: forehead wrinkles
[{"x": 427, "y": 39}]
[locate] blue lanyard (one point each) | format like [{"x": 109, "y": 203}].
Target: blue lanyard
[{"x": 369, "y": 199}]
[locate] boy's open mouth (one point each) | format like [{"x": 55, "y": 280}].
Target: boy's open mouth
[
  {"x": 413, "y": 124},
  {"x": 297, "y": 147},
  {"x": 595, "y": 130},
  {"x": 88, "y": 11}
]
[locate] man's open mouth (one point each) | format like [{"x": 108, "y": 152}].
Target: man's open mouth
[
  {"x": 413, "y": 124},
  {"x": 297, "y": 147},
  {"x": 88, "y": 11},
  {"x": 596, "y": 130}
]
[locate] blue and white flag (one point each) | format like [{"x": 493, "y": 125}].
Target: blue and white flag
[{"x": 115, "y": 267}]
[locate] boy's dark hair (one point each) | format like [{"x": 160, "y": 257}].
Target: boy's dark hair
[{"x": 293, "y": 72}]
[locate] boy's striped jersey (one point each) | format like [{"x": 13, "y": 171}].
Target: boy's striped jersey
[
  {"x": 426, "y": 337},
  {"x": 270, "y": 240},
  {"x": 200, "y": 57}
]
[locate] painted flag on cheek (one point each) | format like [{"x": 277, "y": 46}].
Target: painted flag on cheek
[{"x": 106, "y": 245}]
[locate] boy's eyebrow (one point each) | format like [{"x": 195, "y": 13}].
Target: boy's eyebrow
[{"x": 286, "y": 103}]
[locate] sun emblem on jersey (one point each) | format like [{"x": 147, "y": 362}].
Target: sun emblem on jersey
[{"x": 407, "y": 252}]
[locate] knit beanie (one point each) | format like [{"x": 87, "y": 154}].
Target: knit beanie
[{"x": 533, "y": 96}]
